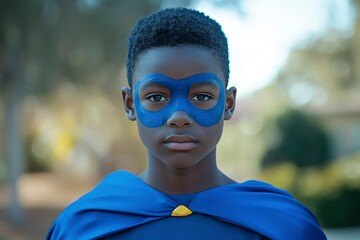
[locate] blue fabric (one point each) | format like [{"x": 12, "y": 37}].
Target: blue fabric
[
  {"x": 179, "y": 101},
  {"x": 184, "y": 199},
  {"x": 122, "y": 201},
  {"x": 192, "y": 227}
]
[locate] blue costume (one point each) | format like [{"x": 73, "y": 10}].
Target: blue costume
[{"x": 123, "y": 203}]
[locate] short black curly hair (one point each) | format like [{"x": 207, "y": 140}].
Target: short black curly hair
[{"x": 174, "y": 27}]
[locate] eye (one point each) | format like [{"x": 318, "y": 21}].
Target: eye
[
  {"x": 201, "y": 97},
  {"x": 156, "y": 98}
]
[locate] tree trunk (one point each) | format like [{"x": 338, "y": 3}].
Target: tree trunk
[{"x": 14, "y": 149}]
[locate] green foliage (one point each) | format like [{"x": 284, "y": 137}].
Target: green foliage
[
  {"x": 336, "y": 192},
  {"x": 51, "y": 42},
  {"x": 326, "y": 68},
  {"x": 322, "y": 76},
  {"x": 48, "y": 44},
  {"x": 332, "y": 192},
  {"x": 298, "y": 139},
  {"x": 339, "y": 211},
  {"x": 35, "y": 162}
]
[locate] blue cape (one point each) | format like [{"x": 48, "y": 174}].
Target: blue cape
[{"x": 122, "y": 201}]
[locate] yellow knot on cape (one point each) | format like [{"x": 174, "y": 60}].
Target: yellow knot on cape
[{"x": 181, "y": 211}]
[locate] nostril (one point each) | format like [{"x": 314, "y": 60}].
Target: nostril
[
  {"x": 180, "y": 119},
  {"x": 179, "y": 124}
]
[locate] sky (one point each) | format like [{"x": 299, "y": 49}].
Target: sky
[{"x": 260, "y": 39}]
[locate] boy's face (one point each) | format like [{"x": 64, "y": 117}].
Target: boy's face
[{"x": 180, "y": 103}]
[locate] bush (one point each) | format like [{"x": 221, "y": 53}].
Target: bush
[{"x": 332, "y": 192}]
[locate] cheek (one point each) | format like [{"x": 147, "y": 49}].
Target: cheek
[
  {"x": 209, "y": 136},
  {"x": 216, "y": 132},
  {"x": 144, "y": 132},
  {"x": 150, "y": 137}
]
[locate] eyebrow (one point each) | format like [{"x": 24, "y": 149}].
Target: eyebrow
[
  {"x": 206, "y": 84},
  {"x": 151, "y": 84}
]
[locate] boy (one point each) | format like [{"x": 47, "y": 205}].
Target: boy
[{"x": 178, "y": 71}]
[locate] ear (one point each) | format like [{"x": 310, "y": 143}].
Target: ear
[
  {"x": 128, "y": 103},
  {"x": 230, "y": 103}
]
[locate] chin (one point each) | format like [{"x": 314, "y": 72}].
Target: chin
[{"x": 180, "y": 164}]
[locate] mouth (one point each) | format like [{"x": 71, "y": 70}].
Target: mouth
[{"x": 181, "y": 142}]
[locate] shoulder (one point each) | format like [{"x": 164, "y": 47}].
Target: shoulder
[
  {"x": 261, "y": 185},
  {"x": 261, "y": 207},
  {"x": 110, "y": 187},
  {"x": 98, "y": 203}
]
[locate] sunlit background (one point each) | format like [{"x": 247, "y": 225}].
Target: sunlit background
[{"x": 296, "y": 65}]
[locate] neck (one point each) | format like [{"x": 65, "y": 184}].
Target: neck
[{"x": 199, "y": 177}]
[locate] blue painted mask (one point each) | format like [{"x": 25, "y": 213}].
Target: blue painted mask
[{"x": 179, "y": 100}]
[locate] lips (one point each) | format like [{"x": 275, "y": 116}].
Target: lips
[{"x": 181, "y": 142}]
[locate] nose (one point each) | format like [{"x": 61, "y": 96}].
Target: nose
[{"x": 179, "y": 119}]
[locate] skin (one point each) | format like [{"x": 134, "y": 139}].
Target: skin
[{"x": 180, "y": 166}]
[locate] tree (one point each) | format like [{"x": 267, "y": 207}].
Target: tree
[
  {"x": 297, "y": 139},
  {"x": 44, "y": 43},
  {"x": 326, "y": 69}
]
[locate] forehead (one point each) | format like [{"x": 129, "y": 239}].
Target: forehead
[
  {"x": 177, "y": 62},
  {"x": 155, "y": 80}
]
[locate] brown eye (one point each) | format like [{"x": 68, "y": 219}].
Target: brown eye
[
  {"x": 201, "y": 97},
  {"x": 156, "y": 98}
]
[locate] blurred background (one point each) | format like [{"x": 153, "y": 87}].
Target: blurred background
[{"x": 296, "y": 65}]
